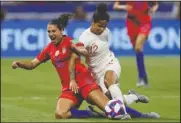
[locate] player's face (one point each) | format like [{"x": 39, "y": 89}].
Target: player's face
[
  {"x": 54, "y": 33},
  {"x": 99, "y": 27}
]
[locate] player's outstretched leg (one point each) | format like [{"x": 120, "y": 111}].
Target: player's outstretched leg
[
  {"x": 103, "y": 115},
  {"x": 94, "y": 96},
  {"x": 95, "y": 112},
  {"x": 136, "y": 114},
  {"x": 66, "y": 107},
  {"x": 150, "y": 115},
  {"x": 141, "y": 98},
  {"x": 135, "y": 97},
  {"x": 132, "y": 112}
]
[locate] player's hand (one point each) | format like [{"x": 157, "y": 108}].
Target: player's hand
[
  {"x": 73, "y": 86},
  {"x": 129, "y": 8},
  {"x": 74, "y": 47},
  {"x": 15, "y": 64}
]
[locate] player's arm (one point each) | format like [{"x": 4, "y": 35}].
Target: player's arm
[
  {"x": 72, "y": 61},
  {"x": 28, "y": 65},
  {"x": 154, "y": 7},
  {"x": 118, "y": 6},
  {"x": 79, "y": 49},
  {"x": 73, "y": 85}
]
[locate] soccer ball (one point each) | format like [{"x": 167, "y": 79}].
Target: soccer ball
[{"x": 114, "y": 109}]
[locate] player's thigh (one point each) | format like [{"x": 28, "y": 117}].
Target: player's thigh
[
  {"x": 86, "y": 84},
  {"x": 140, "y": 40},
  {"x": 132, "y": 28},
  {"x": 145, "y": 28},
  {"x": 132, "y": 31},
  {"x": 91, "y": 91},
  {"x": 98, "y": 98},
  {"x": 102, "y": 84},
  {"x": 112, "y": 72},
  {"x": 142, "y": 36}
]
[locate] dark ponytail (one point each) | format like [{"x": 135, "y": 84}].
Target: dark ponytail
[
  {"x": 101, "y": 13},
  {"x": 101, "y": 8},
  {"x": 61, "y": 21}
]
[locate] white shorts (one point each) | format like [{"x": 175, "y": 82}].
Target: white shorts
[{"x": 112, "y": 65}]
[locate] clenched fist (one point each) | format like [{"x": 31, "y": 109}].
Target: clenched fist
[{"x": 15, "y": 64}]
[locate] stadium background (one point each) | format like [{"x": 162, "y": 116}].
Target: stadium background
[{"x": 23, "y": 35}]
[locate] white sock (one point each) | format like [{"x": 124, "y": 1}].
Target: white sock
[
  {"x": 129, "y": 99},
  {"x": 116, "y": 93}
]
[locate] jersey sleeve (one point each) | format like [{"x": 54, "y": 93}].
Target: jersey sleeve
[
  {"x": 43, "y": 56},
  {"x": 84, "y": 39}
]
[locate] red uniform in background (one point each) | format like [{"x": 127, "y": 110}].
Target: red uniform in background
[
  {"x": 138, "y": 20},
  {"x": 60, "y": 57}
]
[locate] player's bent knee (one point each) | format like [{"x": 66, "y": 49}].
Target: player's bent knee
[
  {"x": 61, "y": 115},
  {"x": 138, "y": 49}
]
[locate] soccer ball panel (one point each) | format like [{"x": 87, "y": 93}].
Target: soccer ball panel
[{"x": 114, "y": 109}]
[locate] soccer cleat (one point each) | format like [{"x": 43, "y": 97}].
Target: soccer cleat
[
  {"x": 140, "y": 83},
  {"x": 143, "y": 82},
  {"x": 91, "y": 111},
  {"x": 141, "y": 98},
  {"x": 151, "y": 115},
  {"x": 125, "y": 117},
  {"x": 95, "y": 113}
]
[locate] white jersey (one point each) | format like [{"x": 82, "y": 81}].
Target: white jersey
[{"x": 98, "y": 48}]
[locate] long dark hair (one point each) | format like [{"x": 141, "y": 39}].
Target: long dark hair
[
  {"x": 101, "y": 13},
  {"x": 61, "y": 21}
]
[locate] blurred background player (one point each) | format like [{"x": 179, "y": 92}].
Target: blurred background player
[
  {"x": 79, "y": 13},
  {"x": 59, "y": 51},
  {"x": 138, "y": 25}
]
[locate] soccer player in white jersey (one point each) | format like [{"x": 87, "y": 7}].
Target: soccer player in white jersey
[
  {"x": 101, "y": 61},
  {"x": 94, "y": 45}
]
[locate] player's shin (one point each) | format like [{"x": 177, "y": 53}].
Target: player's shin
[{"x": 140, "y": 64}]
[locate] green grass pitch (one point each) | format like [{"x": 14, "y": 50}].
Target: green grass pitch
[{"x": 32, "y": 95}]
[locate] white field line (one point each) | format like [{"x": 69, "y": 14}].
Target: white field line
[{"x": 45, "y": 98}]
